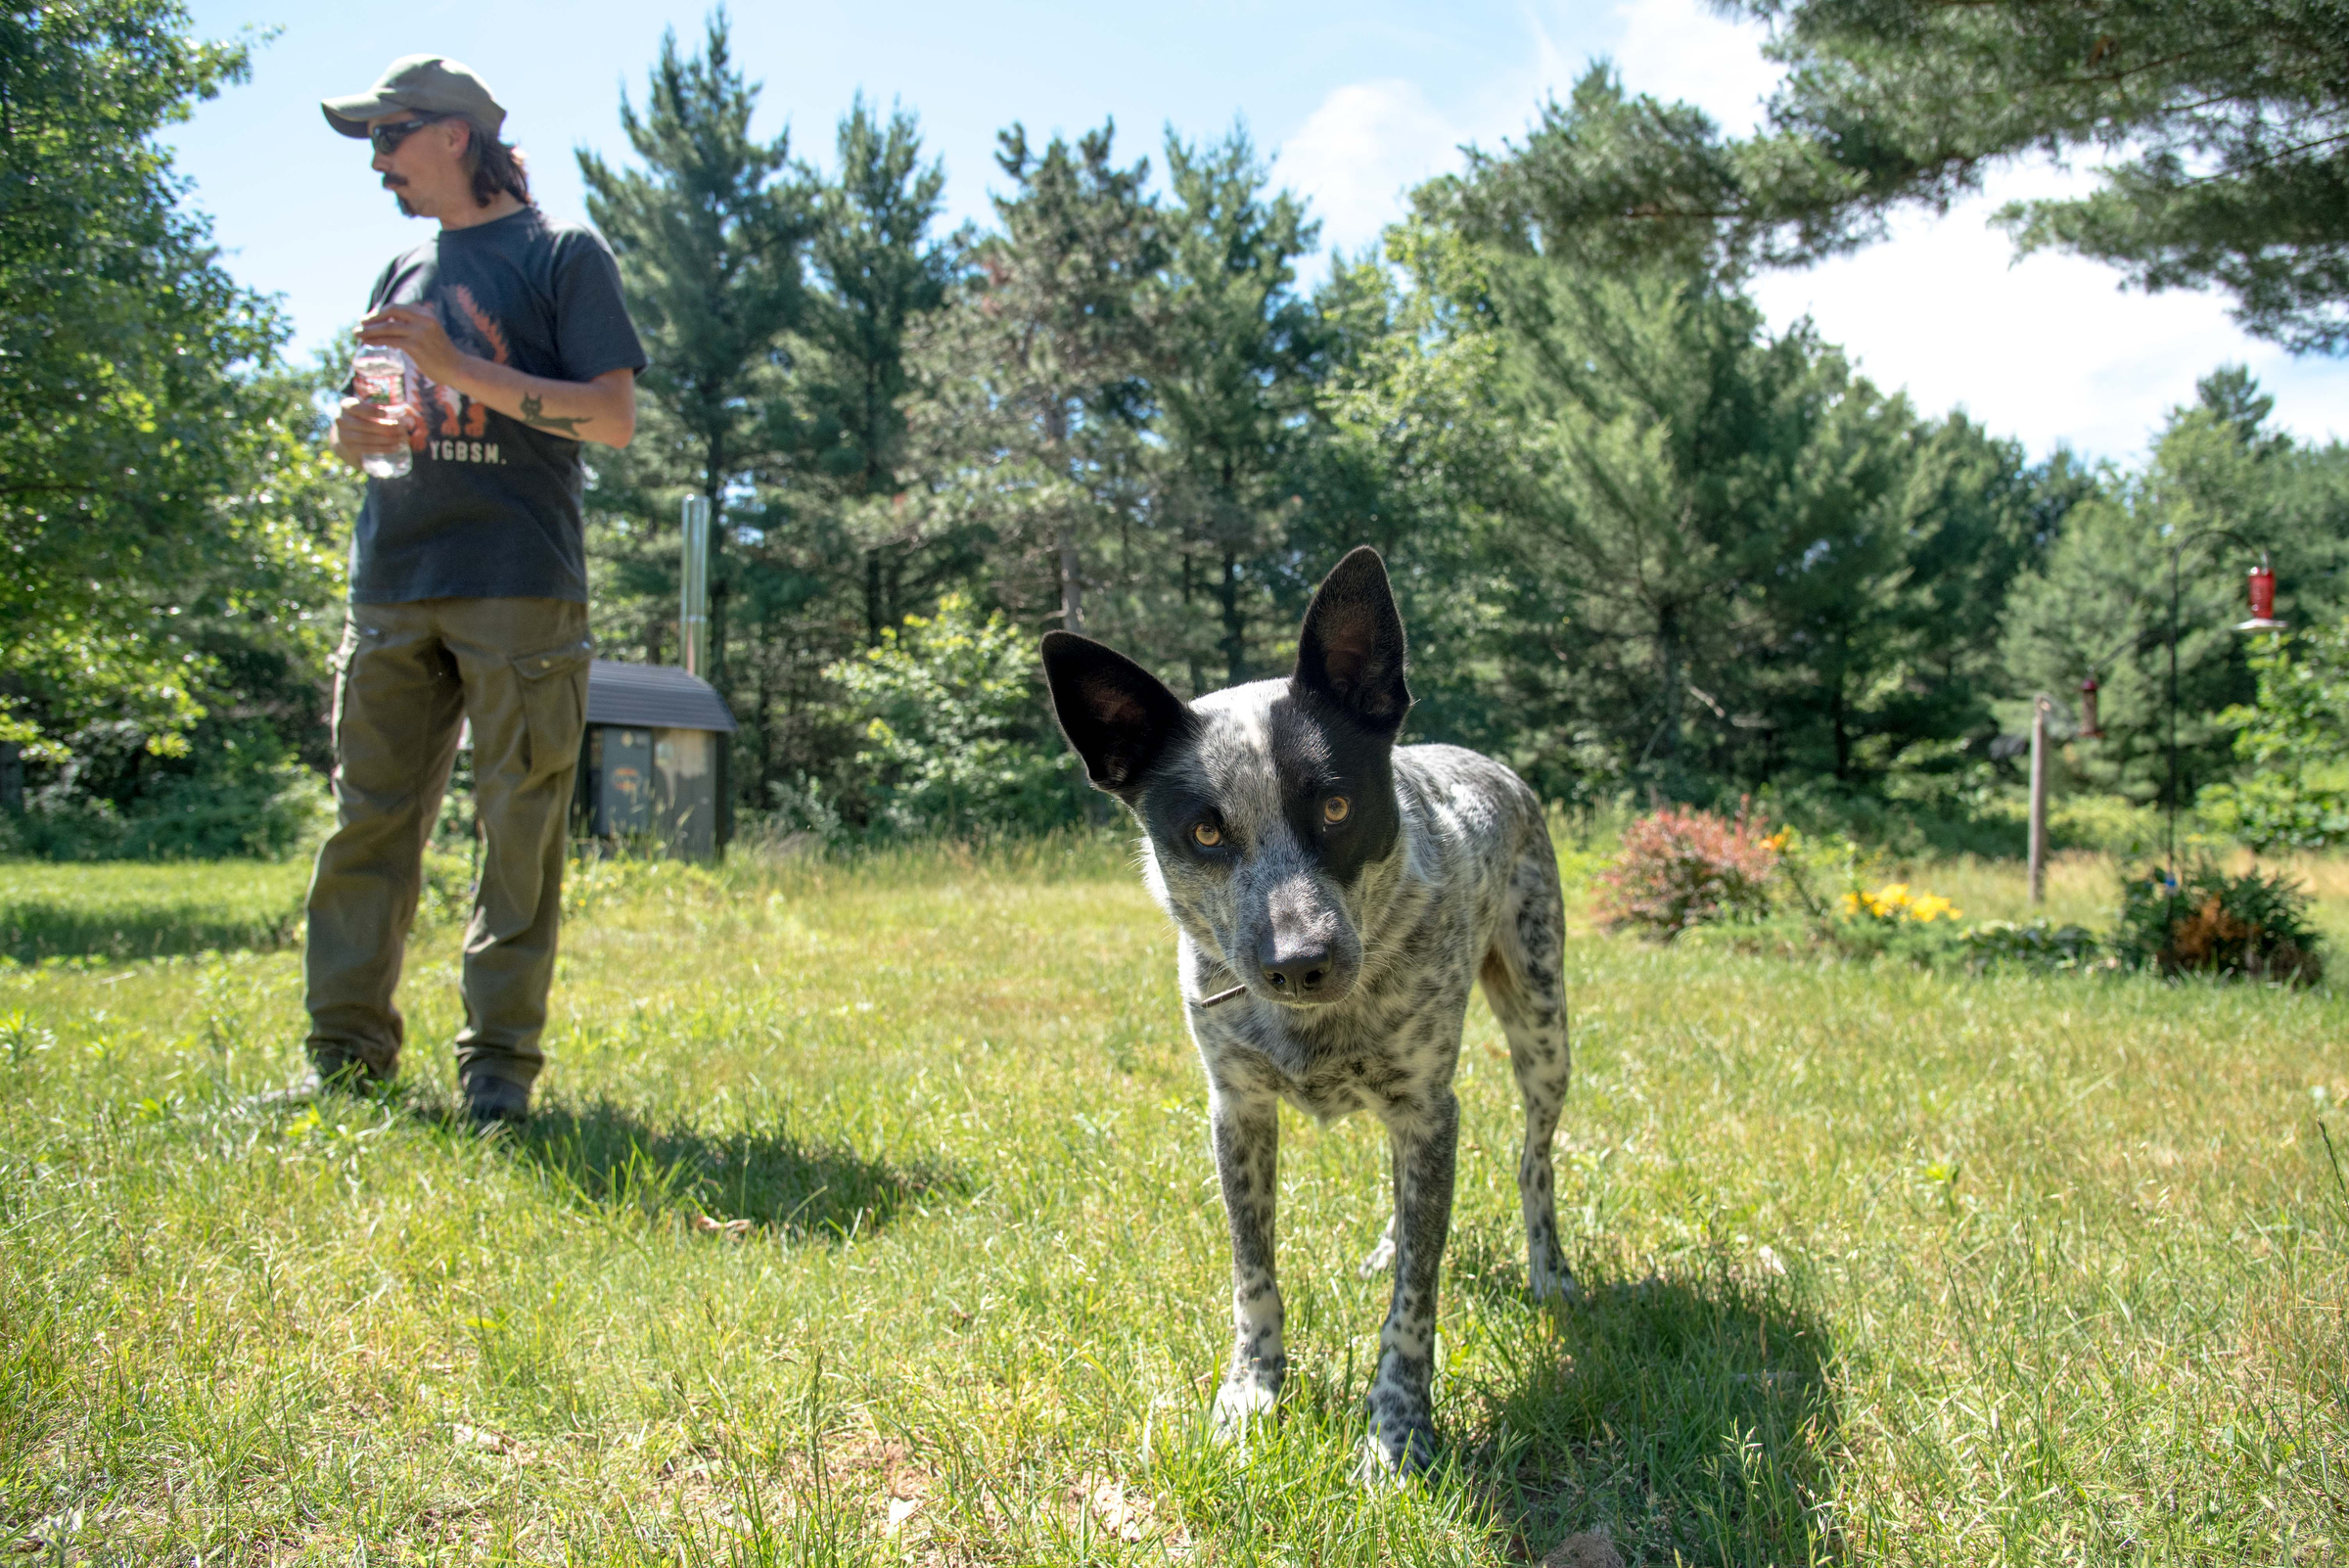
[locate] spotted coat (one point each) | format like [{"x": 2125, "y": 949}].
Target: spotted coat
[{"x": 1353, "y": 930}]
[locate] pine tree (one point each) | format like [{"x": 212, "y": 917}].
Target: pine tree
[
  {"x": 1231, "y": 374},
  {"x": 710, "y": 235},
  {"x": 1062, "y": 318},
  {"x": 1694, "y": 545},
  {"x": 2102, "y": 603},
  {"x": 1973, "y": 516},
  {"x": 1700, "y": 526},
  {"x": 1402, "y": 441},
  {"x": 2226, "y": 122},
  {"x": 881, "y": 271},
  {"x": 2224, "y": 127}
]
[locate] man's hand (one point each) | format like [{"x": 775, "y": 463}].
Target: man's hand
[
  {"x": 602, "y": 410},
  {"x": 421, "y": 335},
  {"x": 364, "y": 428}
]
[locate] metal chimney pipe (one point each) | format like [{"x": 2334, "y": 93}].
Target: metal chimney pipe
[{"x": 693, "y": 609}]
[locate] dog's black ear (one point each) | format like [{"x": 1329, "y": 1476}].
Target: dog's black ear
[
  {"x": 1350, "y": 651},
  {"x": 1118, "y": 714}
]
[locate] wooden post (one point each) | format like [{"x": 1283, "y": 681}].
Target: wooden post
[{"x": 2038, "y": 799}]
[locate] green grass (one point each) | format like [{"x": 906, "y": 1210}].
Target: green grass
[
  {"x": 2054, "y": 1267},
  {"x": 116, "y": 910}
]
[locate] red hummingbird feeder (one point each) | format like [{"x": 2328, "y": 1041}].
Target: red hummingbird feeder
[
  {"x": 2090, "y": 730},
  {"x": 2263, "y": 600}
]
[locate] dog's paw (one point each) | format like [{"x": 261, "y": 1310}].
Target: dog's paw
[
  {"x": 1396, "y": 1450},
  {"x": 1241, "y": 1401},
  {"x": 1402, "y": 1441},
  {"x": 1552, "y": 1279},
  {"x": 1382, "y": 1256}
]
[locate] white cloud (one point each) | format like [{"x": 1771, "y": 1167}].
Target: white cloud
[
  {"x": 1360, "y": 151},
  {"x": 1358, "y": 154},
  {"x": 2048, "y": 348},
  {"x": 1682, "y": 49},
  {"x": 1367, "y": 143}
]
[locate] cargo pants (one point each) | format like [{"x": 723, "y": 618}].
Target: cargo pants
[{"x": 406, "y": 677}]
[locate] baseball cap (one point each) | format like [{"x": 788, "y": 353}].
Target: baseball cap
[{"x": 430, "y": 85}]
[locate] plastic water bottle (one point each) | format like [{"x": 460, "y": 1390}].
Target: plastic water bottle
[{"x": 383, "y": 375}]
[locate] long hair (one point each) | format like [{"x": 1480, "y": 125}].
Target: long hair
[{"x": 495, "y": 166}]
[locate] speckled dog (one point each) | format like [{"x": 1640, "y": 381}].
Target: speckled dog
[{"x": 1352, "y": 892}]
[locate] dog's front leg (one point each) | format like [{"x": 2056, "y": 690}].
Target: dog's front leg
[
  {"x": 1247, "y": 1132},
  {"x": 1403, "y": 1434}
]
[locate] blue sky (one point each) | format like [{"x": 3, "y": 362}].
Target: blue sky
[{"x": 1355, "y": 101}]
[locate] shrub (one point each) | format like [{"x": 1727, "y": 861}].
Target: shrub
[
  {"x": 2296, "y": 738},
  {"x": 2033, "y": 945},
  {"x": 240, "y": 792},
  {"x": 802, "y": 813},
  {"x": 958, "y": 736},
  {"x": 1683, "y": 867},
  {"x": 1893, "y": 921},
  {"x": 2207, "y": 922}
]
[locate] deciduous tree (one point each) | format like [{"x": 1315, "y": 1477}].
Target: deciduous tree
[{"x": 153, "y": 478}]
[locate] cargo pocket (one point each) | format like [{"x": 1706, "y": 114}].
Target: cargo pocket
[
  {"x": 356, "y": 640},
  {"x": 554, "y": 705}
]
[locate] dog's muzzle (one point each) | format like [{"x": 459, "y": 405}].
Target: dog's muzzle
[
  {"x": 1302, "y": 973},
  {"x": 1302, "y": 949}
]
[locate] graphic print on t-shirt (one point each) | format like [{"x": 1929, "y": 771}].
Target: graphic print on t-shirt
[
  {"x": 492, "y": 508},
  {"x": 454, "y": 424}
]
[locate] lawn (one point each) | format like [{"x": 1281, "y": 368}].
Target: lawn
[
  {"x": 868, "y": 1219},
  {"x": 116, "y": 912}
]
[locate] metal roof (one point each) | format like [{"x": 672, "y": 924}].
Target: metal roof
[{"x": 653, "y": 697}]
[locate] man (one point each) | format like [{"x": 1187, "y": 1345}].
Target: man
[{"x": 467, "y": 583}]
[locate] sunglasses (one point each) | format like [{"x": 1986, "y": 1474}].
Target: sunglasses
[{"x": 386, "y": 138}]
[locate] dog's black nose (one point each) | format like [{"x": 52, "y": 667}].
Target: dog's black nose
[{"x": 1293, "y": 970}]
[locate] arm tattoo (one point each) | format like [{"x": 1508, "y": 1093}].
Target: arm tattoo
[{"x": 568, "y": 425}]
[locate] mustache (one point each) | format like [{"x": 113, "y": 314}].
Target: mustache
[{"x": 395, "y": 182}]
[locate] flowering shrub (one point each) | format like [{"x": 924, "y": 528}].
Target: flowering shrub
[
  {"x": 1894, "y": 903},
  {"x": 1683, "y": 867},
  {"x": 1893, "y": 921}
]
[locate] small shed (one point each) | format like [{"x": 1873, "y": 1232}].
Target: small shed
[{"x": 654, "y": 763}]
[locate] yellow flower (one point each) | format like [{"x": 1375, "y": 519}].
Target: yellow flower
[{"x": 1899, "y": 900}]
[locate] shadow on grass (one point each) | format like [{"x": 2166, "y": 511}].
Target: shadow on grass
[
  {"x": 34, "y": 929},
  {"x": 1691, "y": 1416},
  {"x": 609, "y": 1157}
]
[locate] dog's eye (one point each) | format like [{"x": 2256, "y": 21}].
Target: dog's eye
[
  {"x": 1207, "y": 835},
  {"x": 1336, "y": 809}
]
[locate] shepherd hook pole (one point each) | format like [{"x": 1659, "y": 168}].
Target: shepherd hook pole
[
  {"x": 2170, "y": 827},
  {"x": 2040, "y": 706}
]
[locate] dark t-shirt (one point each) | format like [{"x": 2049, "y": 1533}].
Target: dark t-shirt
[{"x": 492, "y": 507}]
